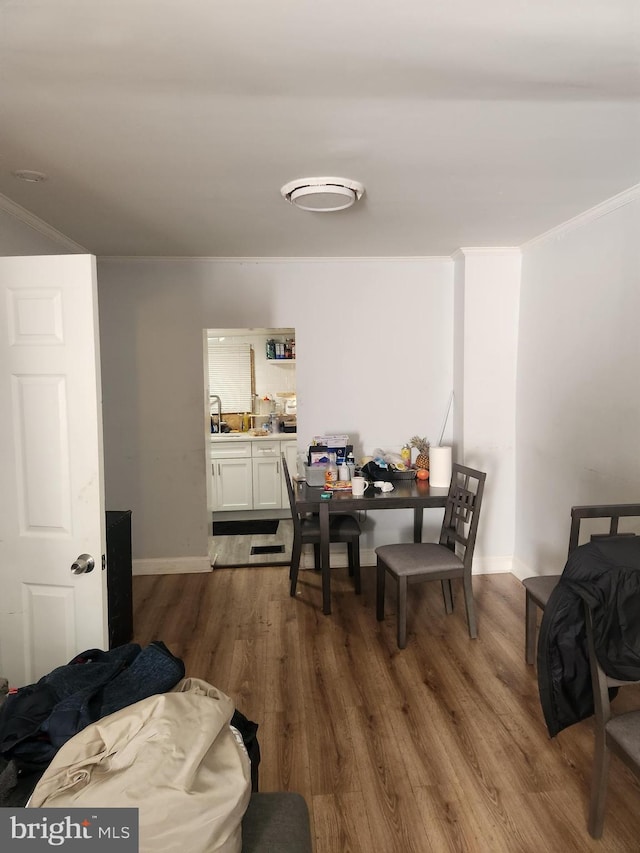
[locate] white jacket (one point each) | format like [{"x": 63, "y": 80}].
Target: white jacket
[{"x": 173, "y": 756}]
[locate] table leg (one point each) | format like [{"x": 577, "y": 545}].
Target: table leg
[
  {"x": 324, "y": 558},
  {"x": 417, "y": 524}
]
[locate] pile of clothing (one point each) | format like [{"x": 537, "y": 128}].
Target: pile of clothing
[{"x": 126, "y": 728}]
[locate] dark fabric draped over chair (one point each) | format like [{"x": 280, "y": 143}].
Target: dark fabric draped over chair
[{"x": 539, "y": 587}]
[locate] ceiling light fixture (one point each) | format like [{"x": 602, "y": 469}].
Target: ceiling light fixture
[
  {"x": 322, "y": 195},
  {"x": 29, "y": 175}
]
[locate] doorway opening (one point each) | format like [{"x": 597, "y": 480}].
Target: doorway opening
[{"x": 250, "y": 420}]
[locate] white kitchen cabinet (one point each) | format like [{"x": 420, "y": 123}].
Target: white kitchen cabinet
[
  {"x": 267, "y": 493},
  {"x": 233, "y": 484},
  {"x": 267, "y": 476},
  {"x": 247, "y": 475},
  {"x": 232, "y": 476}
]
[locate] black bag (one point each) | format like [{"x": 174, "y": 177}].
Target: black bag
[{"x": 374, "y": 472}]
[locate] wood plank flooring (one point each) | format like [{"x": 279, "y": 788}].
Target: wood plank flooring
[{"x": 439, "y": 747}]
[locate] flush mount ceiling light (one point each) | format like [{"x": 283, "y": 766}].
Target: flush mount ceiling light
[
  {"x": 30, "y": 176},
  {"x": 322, "y": 195}
]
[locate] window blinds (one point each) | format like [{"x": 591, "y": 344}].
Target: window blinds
[{"x": 230, "y": 376}]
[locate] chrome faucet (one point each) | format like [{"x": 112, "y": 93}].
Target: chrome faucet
[{"x": 215, "y": 397}]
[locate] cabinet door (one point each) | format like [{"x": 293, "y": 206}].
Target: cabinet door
[
  {"x": 290, "y": 450},
  {"x": 232, "y": 484},
  {"x": 267, "y": 488}
]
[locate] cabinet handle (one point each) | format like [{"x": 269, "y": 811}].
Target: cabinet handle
[{"x": 219, "y": 475}]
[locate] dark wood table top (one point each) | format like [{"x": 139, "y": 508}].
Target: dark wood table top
[{"x": 406, "y": 494}]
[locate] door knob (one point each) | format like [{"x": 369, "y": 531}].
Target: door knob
[{"x": 83, "y": 565}]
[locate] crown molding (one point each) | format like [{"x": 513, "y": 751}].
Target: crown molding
[
  {"x": 471, "y": 251},
  {"x": 603, "y": 209},
  {"x": 408, "y": 259},
  {"x": 30, "y": 219}
]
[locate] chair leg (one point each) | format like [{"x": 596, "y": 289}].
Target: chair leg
[
  {"x": 353, "y": 549},
  {"x": 316, "y": 557},
  {"x": 601, "y": 756},
  {"x": 350, "y": 558},
  {"x": 470, "y": 607},
  {"x": 296, "y": 553},
  {"x": 447, "y": 595},
  {"x": 402, "y": 613},
  {"x": 531, "y": 616},
  {"x": 380, "y": 579}
]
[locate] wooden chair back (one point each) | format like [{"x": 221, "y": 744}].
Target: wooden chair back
[
  {"x": 462, "y": 511},
  {"x": 614, "y": 512},
  {"x": 295, "y": 518}
]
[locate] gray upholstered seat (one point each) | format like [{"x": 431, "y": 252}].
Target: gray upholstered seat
[
  {"x": 539, "y": 588},
  {"x": 276, "y": 822},
  {"x": 624, "y": 731},
  {"x": 618, "y": 734},
  {"x": 423, "y": 561}
]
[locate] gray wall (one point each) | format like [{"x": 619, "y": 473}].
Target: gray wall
[
  {"x": 374, "y": 359},
  {"x": 19, "y": 238}
]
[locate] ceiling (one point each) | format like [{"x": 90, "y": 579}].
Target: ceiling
[{"x": 168, "y": 128}]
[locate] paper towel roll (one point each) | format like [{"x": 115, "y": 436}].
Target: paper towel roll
[{"x": 439, "y": 466}]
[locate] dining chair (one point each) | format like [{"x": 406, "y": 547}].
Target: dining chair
[
  {"x": 306, "y": 531},
  {"x": 449, "y": 558},
  {"x": 618, "y": 733},
  {"x": 538, "y": 588}
]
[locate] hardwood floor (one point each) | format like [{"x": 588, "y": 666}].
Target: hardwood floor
[{"x": 439, "y": 747}]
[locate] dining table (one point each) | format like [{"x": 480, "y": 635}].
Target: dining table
[{"x": 413, "y": 494}]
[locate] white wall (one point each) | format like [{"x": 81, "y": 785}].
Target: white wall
[
  {"x": 487, "y": 290},
  {"x": 578, "y": 400},
  {"x": 383, "y": 379}
]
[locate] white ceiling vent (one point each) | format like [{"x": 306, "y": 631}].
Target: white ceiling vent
[{"x": 322, "y": 195}]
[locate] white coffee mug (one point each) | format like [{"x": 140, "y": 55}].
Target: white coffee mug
[{"x": 358, "y": 486}]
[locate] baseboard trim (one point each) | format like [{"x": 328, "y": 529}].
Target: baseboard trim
[
  {"x": 521, "y": 570},
  {"x": 171, "y": 566},
  {"x": 492, "y": 565}
]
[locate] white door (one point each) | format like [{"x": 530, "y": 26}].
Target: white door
[{"x": 52, "y": 494}]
